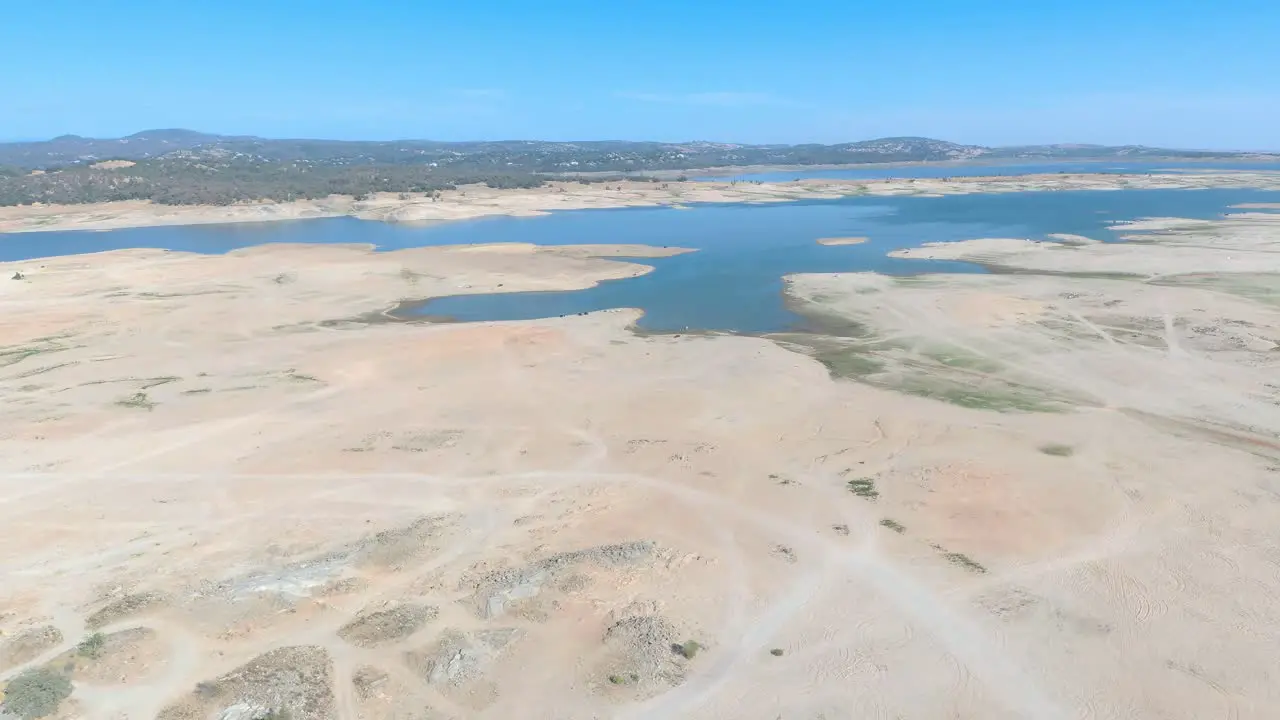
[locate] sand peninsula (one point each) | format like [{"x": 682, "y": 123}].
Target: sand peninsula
[
  {"x": 473, "y": 201},
  {"x": 231, "y": 485}
]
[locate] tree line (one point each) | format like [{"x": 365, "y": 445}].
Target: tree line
[{"x": 185, "y": 182}]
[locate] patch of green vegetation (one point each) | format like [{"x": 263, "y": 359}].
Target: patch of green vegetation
[
  {"x": 137, "y": 400},
  {"x": 166, "y": 296},
  {"x": 48, "y": 368},
  {"x": 776, "y": 652},
  {"x": 624, "y": 679},
  {"x": 146, "y": 382},
  {"x": 36, "y": 693},
  {"x": 964, "y": 561},
  {"x": 893, "y": 525},
  {"x": 863, "y": 487},
  {"x": 91, "y": 647},
  {"x": 688, "y": 650},
  {"x": 997, "y": 400},
  {"x": 14, "y": 355},
  {"x": 849, "y": 363},
  {"x": 197, "y": 391},
  {"x": 963, "y": 361},
  {"x": 1254, "y": 286},
  {"x": 17, "y": 355},
  {"x": 1057, "y": 450},
  {"x": 300, "y": 377}
]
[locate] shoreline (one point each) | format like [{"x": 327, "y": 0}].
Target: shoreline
[
  {"x": 215, "y": 464},
  {"x": 728, "y": 171},
  {"x": 472, "y": 202}
]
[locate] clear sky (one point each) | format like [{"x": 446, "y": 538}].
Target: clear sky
[{"x": 1184, "y": 73}]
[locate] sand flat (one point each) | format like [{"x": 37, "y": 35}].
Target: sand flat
[
  {"x": 1035, "y": 497},
  {"x": 1237, "y": 243}
]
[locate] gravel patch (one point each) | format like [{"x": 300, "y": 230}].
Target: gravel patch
[
  {"x": 28, "y": 645},
  {"x": 297, "y": 680},
  {"x": 384, "y": 626},
  {"x": 127, "y": 606},
  {"x": 499, "y": 590}
]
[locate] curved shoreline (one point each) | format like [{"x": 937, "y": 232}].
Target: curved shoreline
[
  {"x": 470, "y": 202},
  {"x": 201, "y": 445}
]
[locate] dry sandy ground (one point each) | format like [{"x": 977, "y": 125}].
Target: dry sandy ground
[
  {"x": 263, "y": 499},
  {"x": 1157, "y": 247},
  {"x": 477, "y": 200}
]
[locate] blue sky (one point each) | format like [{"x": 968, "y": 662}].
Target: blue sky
[{"x": 1172, "y": 73}]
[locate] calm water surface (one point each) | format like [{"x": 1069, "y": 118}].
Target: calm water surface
[
  {"x": 921, "y": 170},
  {"x": 734, "y": 281}
]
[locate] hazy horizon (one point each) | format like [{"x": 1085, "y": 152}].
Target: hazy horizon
[
  {"x": 1188, "y": 75},
  {"x": 261, "y": 136}
]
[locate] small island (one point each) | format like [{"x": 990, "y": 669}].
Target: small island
[{"x": 842, "y": 241}]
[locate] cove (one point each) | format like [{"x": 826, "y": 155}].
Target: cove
[{"x": 734, "y": 282}]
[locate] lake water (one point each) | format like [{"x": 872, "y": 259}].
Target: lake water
[
  {"x": 733, "y": 283},
  {"x": 923, "y": 170}
]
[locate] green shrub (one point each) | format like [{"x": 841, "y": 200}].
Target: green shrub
[
  {"x": 137, "y": 400},
  {"x": 864, "y": 488},
  {"x": 36, "y": 693},
  {"x": 893, "y": 525},
  {"x": 689, "y": 650},
  {"x": 91, "y": 647},
  {"x": 964, "y": 561}
]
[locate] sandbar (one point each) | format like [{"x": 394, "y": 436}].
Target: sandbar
[{"x": 1238, "y": 243}]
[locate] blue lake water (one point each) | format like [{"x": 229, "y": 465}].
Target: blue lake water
[
  {"x": 923, "y": 170},
  {"x": 733, "y": 283}
]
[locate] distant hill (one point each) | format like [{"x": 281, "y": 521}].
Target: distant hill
[
  {"x": 187, "y": 167},
  {"x": 70, "y": 149},
  {"x": 540, "y": 156}
]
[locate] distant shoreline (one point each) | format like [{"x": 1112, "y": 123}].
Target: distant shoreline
[
  {"x": 728, "y": 171},
  {"x": 476, "y": 201}
]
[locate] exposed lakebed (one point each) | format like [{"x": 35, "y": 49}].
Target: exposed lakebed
[{"x": 734, "y": 282}]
